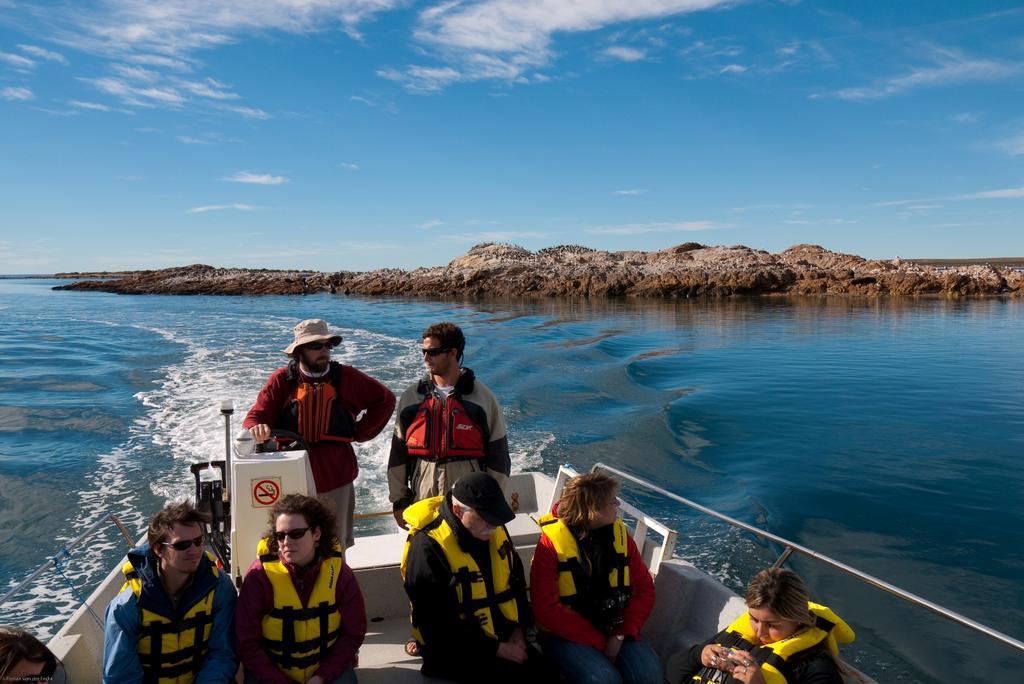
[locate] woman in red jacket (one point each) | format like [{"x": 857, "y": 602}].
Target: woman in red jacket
[
  {"x": 300, "y": 614},
  {"x": 590, "y": 589}
]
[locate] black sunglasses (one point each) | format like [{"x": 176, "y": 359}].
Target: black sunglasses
[
  {"x": 437, "y": 351},
  {"x": 297, "y": 533},
  {"x": 317, "y": 346},
  {"x": 184, "y": 544}
]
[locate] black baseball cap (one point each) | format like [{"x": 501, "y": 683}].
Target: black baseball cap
[{"x": 482, "y": 493}]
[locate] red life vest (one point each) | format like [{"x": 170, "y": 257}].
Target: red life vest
[
  {"x": 315, "y": 410},
  {"x": 445, "y": 429}
]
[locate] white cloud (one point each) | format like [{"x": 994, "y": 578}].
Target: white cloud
[
  {"x": 220, "y": 207},
  {"x": 89, "y": 105},
  {"x": 348, "y": 166},
  {"x": 636, "y": 191},
  {"x": 137, "y": 95},
  {"x": 966, "y": 118},
  {"x": 160, "y": 61},
  {"x": 135, "y": 73},
  {"x": 427, "y": 225},
  {"x": 57, "y": 112},
  {"x": 1013, "y": 146},
  {"x": 1005, "y": 193},
  {"x": 506, "y": 39},
  {"x": 733, "y": 69},
  {"x": 175, "y": 28},
  {"x": 129, "y": 179},
  {"x": 12, "y": 93},
  {"x": 16, "y": 93},
  {"x": 1002, "y": 193},
  {"x": 951, "y": 67},
  {"x": 17, "y": 61},
  {"x": 626, "y": 54},
  {"x": 247, "y": 112},
  {"x": 255, "y": 178},
  {"x": 42, "y": 53},
  {"x": 363, "y": 100},
  {"x": 210, "y": 88},
  {"x": 643, "y": 228},
  {"x": 207, "y": 139},
  {"x": 423, "y": 80}
]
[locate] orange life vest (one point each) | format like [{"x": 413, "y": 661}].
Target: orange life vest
[
  {"x": 445, "y": 429},
  {"x": 315, "y": 410}
]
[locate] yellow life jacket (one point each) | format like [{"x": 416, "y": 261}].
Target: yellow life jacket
[
  {"x": 298, "y": 637},
  {"x": 828, "y": 628},
  {"x": 172, "y": 650},
  {"x": 475, "y": 597},
  {"x": 572, "y": 575}
]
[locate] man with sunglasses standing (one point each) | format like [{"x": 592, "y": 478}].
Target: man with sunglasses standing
[
  {"x": 321, "y": 399},
  {"x": 172, "y": 620},
  {"x": 449, "y": 425}
]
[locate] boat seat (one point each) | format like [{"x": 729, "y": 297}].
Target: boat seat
[{"x": 691, "y": 607}]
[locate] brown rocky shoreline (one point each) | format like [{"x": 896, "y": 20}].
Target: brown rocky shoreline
[{"x": 687, "y": 270}]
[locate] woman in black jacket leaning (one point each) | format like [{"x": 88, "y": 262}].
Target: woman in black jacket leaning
[{"x": 782, "y": 638}]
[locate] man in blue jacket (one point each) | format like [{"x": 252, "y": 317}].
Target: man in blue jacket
[{"x": 174, "y": 616}]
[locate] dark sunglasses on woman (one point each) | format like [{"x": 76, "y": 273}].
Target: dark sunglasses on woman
[{"x": 297, "y": 533}]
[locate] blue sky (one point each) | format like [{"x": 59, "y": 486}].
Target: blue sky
[{"x": 357, "y": 134}]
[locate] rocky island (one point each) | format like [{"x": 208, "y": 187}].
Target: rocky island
[{"x": 686, "y": 270}]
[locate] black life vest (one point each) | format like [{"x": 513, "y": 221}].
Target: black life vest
[
  {"x": 451, "y": 429},
  {"x": 579, "y": 587},
  {"x": 315, "y": 409}
]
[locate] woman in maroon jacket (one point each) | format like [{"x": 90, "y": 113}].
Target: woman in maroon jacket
[
  {"x": 300, "y": 573},
  {"x": 590, "y": 589}
]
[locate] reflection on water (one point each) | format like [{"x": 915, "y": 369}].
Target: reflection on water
[{"x": 884, "y": 433}]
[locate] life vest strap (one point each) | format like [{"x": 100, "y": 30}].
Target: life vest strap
[
  {"x": 317, "y": 645},
  {"x": 158, "y": 629},
  {"x": 321, "y": 610},
  {"x": 159, "y": 670},
  {"x": 314, "y": 650}
]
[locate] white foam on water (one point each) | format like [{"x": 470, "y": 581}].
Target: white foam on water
[{"x": 182, "y": 420}]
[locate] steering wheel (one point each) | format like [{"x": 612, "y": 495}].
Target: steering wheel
[{"x": 278, "y": 438}]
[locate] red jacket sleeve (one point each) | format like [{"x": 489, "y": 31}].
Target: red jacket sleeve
[
  {"x": 353, "y": 627},
  {"x": 255, "y": 600},
  {"x": 269, "y": 402},
  {"x": 360, "y": 392},
  {"x": 552, "y": 614},
  {"x": 641, "y": 597}
]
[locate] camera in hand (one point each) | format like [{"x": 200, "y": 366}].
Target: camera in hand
[{"x": 611, "y": 611}]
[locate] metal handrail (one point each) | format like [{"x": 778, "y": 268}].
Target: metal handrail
[
  {"x": 790, "y": 547},
  {"x": 52, "y": 562}
]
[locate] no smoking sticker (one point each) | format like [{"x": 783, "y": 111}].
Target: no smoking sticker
[{"x": 265, "y": 491}]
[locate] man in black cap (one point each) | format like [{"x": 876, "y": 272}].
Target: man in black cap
[{"x": 467, "y": 587}]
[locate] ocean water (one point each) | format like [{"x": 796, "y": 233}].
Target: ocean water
[{"x": 885, "y": 434}]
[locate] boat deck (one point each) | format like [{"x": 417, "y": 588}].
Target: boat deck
[{"x": 691, "y": 605}]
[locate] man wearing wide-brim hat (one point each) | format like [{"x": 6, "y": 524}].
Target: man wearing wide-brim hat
[{"x": 321, "y": 399}]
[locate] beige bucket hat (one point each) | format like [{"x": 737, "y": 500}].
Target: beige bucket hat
[{"x": 311, "y": 330}]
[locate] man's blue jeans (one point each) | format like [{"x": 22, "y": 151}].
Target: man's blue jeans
[{"x": 581, "y": 664}]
